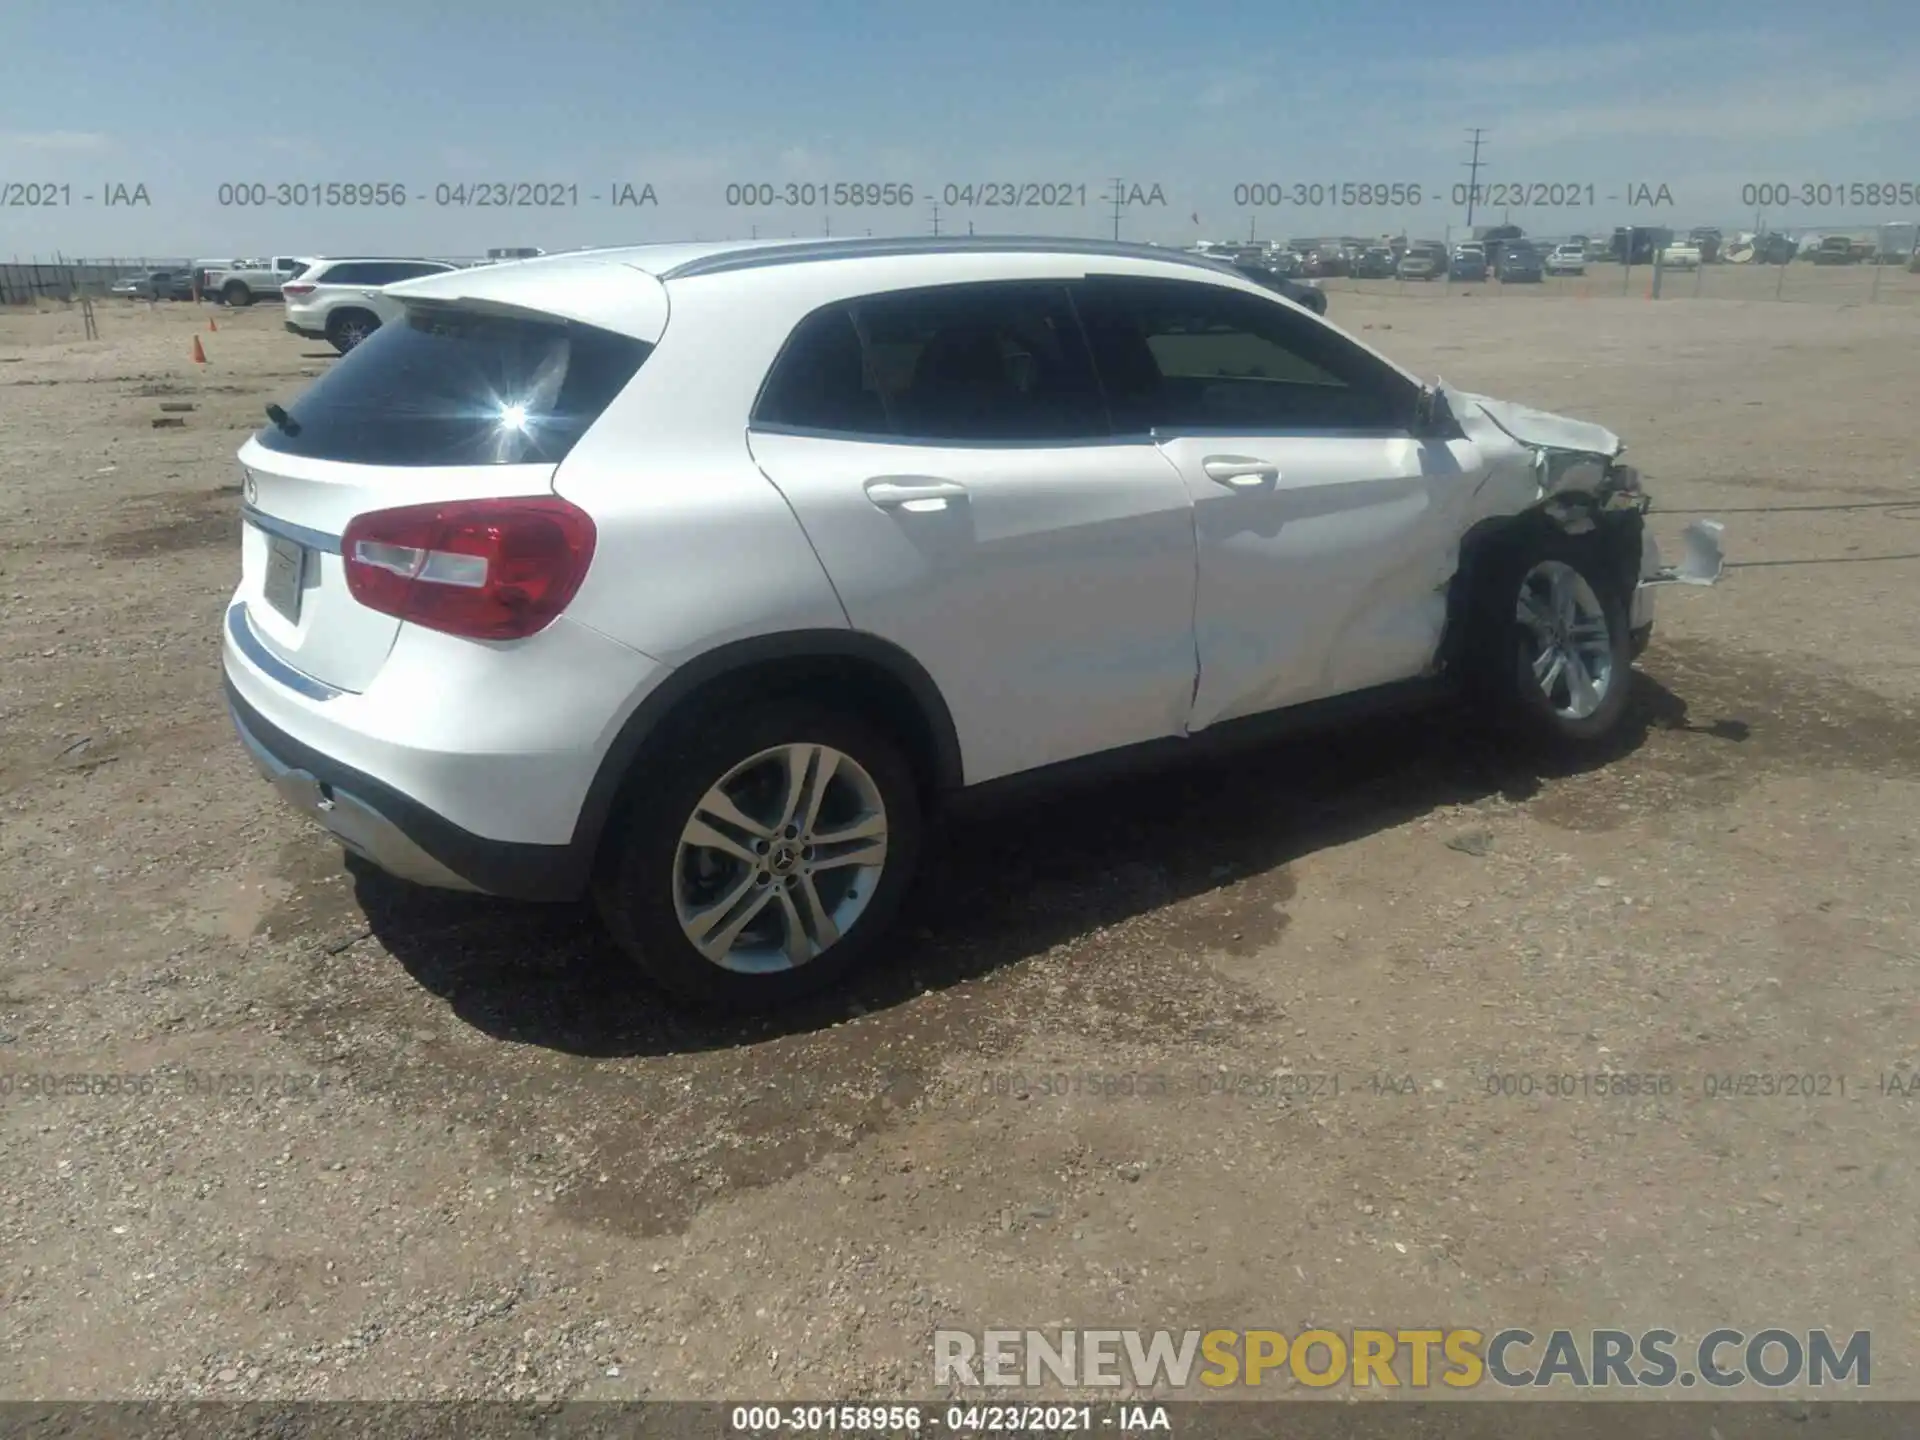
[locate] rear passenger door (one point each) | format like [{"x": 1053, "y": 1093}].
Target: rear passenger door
[
  {"x": 949, "y": 456},
  {"x": 1326, "y": 529}
]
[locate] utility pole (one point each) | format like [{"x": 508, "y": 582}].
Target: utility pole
[
  {"x": 1119, "y": 195},
  {"x": 936, "y": 217},
  {"x": 1473, "y": 178}
]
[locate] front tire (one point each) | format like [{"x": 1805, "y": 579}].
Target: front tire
[
  {"x": 763, "y": 857},
  {"x": 1553, "y": 649}
]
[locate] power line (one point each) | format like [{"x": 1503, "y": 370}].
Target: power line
[{"x": 1473, "y": 177}]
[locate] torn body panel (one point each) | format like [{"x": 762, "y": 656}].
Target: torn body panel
[{"x": 1572, "y": 471}]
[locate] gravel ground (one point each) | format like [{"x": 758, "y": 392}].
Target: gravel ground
[{"x": 371, "y": 1142}]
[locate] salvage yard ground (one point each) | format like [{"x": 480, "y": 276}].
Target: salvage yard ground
[{"x": 387, "y": 1143}]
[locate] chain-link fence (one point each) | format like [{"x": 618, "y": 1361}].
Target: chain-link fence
[{"x": 31, "y": 279}]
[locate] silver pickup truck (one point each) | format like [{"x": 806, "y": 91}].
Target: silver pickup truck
[{"x": 255, "y": 279}]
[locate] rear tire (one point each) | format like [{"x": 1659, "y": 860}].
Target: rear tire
[
  {"x": 236, "y": 296},
  {"x": 712, "y": 897},
  {"x": 1552, "y": 653}
]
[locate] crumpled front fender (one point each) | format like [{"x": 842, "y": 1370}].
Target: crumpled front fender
[{"x": 1535, "y": 455}]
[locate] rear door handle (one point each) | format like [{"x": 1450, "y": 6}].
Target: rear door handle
[
  {"x": 888, "y": 491},
  {"x": 1240, "y": 472}
]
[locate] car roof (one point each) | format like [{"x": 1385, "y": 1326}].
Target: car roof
[{"x": 624, "y": 288}]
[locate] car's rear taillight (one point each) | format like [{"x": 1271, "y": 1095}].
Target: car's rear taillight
[
  {"x": 485, "y": 569},
  {"x": 296, "y": 289}
]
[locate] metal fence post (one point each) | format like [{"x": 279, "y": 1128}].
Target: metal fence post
[{"x": 1879, "y": 255}]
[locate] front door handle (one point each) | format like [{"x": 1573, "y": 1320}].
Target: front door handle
[
  {"x": 1240, "y": 472},
  {"x": 921, "y": 491}
]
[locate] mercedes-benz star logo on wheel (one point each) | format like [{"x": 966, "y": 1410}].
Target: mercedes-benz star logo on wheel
[{"x": 250, "y": 488}]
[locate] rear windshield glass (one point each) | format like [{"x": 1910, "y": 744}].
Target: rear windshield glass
[{"x": 448, "y": 386}]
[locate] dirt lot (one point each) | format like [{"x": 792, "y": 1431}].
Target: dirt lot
[{"x": 400, "y": 1144}]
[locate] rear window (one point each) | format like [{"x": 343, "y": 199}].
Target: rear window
[{"x": 449, "y": 386}]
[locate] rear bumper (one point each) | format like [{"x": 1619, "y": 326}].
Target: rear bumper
[
  {"x": 395, "y": 832},
  {"x": 493, "y": 763},
  {"x": 355, "y": 823}
]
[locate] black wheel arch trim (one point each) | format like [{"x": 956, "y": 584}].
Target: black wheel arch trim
[
  {"x": 739, "y": 659},
  {"x": 1620, "y": 529}
]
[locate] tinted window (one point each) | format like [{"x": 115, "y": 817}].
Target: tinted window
[
  {"x": 982, "y": 362},
  {"x": 451, "y": 387},
  {"x": 347, "y": 273},
  {"x": 959, "y": 363},
  {"x": 821, "y": 380},
  {"x": 1175, "y": 355}
]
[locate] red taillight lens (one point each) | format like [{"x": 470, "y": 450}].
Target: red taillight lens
[
  {"x": 296, "y": 289},
  {"x": 485, "y": 569}
]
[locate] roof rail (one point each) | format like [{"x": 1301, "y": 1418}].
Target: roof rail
[{"x": 753, "y": 256}]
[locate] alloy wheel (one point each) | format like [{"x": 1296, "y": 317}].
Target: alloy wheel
[
  {"x": 780, "y": 858},
  {"x": 1571, "y": 645}
]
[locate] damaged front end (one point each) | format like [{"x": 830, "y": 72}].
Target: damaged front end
[{"x": 1571, "y": 471}]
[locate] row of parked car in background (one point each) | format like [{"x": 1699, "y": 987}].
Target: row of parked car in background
[{"x": 1507, "y": 253}]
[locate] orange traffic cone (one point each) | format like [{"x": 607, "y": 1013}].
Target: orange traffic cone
[
  {"x": 199, "y": 354},
  {"x": 210, "y": 324}
]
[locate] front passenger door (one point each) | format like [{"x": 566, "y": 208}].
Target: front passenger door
[{"x": 1326, "y": 529}]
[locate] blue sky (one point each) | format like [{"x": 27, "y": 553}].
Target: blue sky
[{"x": 1197, "y": 99}]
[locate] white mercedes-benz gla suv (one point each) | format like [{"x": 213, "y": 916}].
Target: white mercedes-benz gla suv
[{"x": 693, "y": 577}]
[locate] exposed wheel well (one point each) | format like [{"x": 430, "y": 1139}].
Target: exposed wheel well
[
  {"x": 868, "y": 677},
  {"x": 1571, "y": 513}
]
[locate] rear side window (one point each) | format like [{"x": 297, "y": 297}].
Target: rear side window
[
  {"x": 822, "y": 380},
  {"x": 345, "y": 274},
  {"x": 961, "y": 364},
  {"x": 449, "y": 386}
]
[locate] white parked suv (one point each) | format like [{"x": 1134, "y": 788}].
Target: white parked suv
[
  {"x": 693, "y": 577},
  {"x": 342, "y": 301},
  {"x": 1567, "y": 259}
]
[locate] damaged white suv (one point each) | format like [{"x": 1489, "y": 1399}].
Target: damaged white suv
[{"x": 694, "y": 577}]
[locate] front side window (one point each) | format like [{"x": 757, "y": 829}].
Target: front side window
[
  {"x": 449, "y": 386},
  {"x": 963, "y": 364},
  {"x": 1173, "y": 355}
]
